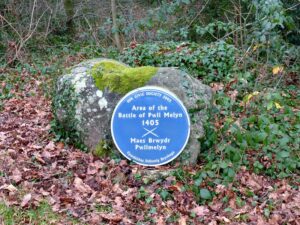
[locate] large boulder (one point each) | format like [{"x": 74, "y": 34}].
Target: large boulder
[{"x": 86, "y": 97}]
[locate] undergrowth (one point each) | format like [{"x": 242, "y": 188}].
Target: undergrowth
[{"x": 254, "y": 120}]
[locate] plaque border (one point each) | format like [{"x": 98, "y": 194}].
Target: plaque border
[{"x": 151, "y": 87}]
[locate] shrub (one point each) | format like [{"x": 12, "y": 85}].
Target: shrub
[
  {"x": 211, "y": 62},
  {"x": 254, "y": 122}
]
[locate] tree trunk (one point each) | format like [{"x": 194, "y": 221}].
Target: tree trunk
[
  {"x": 69, "y": 9},
  {"x": 115, "y": 24}
]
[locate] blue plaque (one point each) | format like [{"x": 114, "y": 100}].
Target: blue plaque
[{"x": 150, "y": 126}]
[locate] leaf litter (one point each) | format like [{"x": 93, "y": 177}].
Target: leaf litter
[{"x": 34, "y": 168}]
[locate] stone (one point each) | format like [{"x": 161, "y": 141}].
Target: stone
[{"x": 86, "y": 97}]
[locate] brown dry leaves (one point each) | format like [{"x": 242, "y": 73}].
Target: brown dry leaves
[{"x": 34, "y": 168}]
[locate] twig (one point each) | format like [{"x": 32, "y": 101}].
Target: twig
[
  {"x": 10, "y": 24},
  {"x": 292, "y": 7},
  {"x": 280, "y": 78},
  {"x": 32, "y": 14},
  {"x": 31, "y": 30},
  {"x": 91, "y": 28},
  {"x": 49, "y": 20},
  {"x": 198, "y": 14}
]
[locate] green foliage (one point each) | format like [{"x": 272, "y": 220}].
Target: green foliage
[
  {"x": 142, "y": 193},
  {"x": 216, "y": 29},
  {"x": 104, "y": 208},
  {"x": 293, "y": 10},
  {"x": 205, "y": 194},
  {"x": 65, "y": 129},
  {"x": 164, "y": 22},
  {"x": 7, "y": 87},
  {"x": 212, "y": 62},
  {"x": 164, "y": 194},
  {"x": 270, "y": 15},
  {"x": 264, "y": 137},
  {"x": 266, "y": 31},
  {"x": 258, "y": 129}
]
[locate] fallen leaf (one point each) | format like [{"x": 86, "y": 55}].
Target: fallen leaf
[
  {"x": 275, "y": 219},
  {"x": 46, "y": 154},
  {"x": 277, "y": 105},
  {"x": 60, "y": 145},
  {"x": 39, "y": 158},
  {"x": 248, "y": 97},
  {"x": 95, "y": 218},
  {"x": 233, "y": 94},
  {"x": 16, "y": 175},
  {"x": 81, "y": 186},
  {"x": 50, "y": 146},
  {"x": 182, "y": 220},
  {"x": 277, "y": 69},
  {"x": 160, "y": 221},
  {"x": 254, "y": 185},
  {"x": 200, "y": 211},
  {"x": 216, "y": 207},
  {"x": 111, "y": 217},
  {"x": 26, "y": 200},
  {"x": 92, "y": 169},
  {"x": 9, "y": 187},
  {"x": 260, "y": 221},
  {"x": 176, "y": 187},
  {"x": 217, "y": 87},
  {"x": 223, "y": 219},
  {"x": 119, "y": 201}
]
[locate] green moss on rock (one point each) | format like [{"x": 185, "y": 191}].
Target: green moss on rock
[{"x": 120, "y": 78}]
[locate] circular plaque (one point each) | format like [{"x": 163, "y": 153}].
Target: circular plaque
[{"x": 150, "y": 126}]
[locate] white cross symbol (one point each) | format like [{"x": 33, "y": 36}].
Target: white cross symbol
[{"x": 150, "y": 132}]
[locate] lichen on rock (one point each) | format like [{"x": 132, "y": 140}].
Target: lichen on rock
[{"x": 120, "y": 78}]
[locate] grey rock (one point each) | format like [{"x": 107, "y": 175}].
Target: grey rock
[
  {"x": 195, "y": 96},
  {"x": 94, "y": 107}
]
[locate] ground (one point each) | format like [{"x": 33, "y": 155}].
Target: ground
[{"x": 39, "y": 176}]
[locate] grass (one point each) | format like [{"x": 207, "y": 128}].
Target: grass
[{"x": 41, "y": 215}]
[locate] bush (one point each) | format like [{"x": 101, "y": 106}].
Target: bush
[
  {"x": 211, "y": 62},
  {"x": 260, "y": 131},
  {"x": 254, "y": 123}
]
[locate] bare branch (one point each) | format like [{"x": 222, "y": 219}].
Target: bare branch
[
  {"x": 12, "y": 27},
  {"x": 199, "y": 13}
]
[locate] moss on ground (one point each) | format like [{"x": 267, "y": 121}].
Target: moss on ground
[
  {"x": 102, "y": 149},
  {"x": 120, "y": 78}
]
